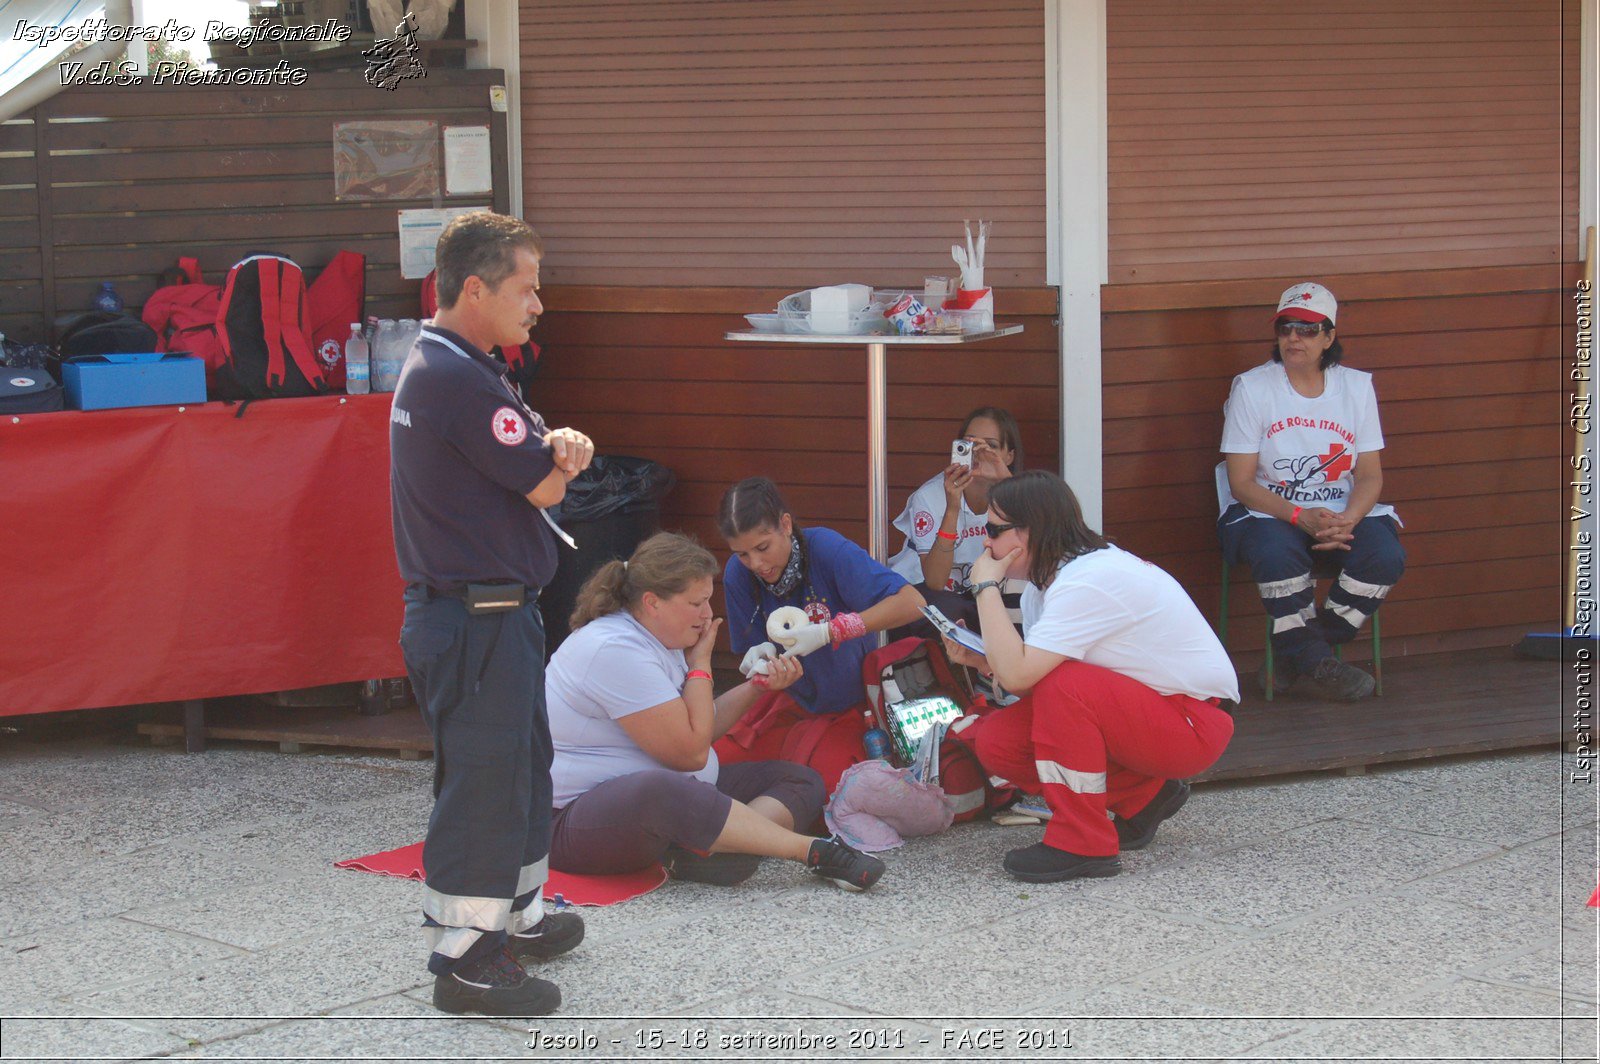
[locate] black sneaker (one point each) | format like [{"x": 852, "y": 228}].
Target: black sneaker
[
  {"x": 495, "y": 985},
  {"x": 551, "y": 937},
  {"x": 1136, "y": 832},
  {"x": 717, "y": 869},
  {"x": 1284, "y": 674},
  {"x": 1046, "y": 864},
  {"x": 845, "y": 865},
  {"x": 1341, "y": 682}
]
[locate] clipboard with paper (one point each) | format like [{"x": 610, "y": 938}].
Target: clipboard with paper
[{"x": 964, "y": 636}]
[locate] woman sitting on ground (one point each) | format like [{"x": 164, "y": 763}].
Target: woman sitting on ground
[
  {"x": 845, "y": 594},
  {"x": 943, "y": 519},
  {"x": 633, "y": 717},
  {"x": 1122, "y": 681},
  {"x": 1302, "y": 441}
]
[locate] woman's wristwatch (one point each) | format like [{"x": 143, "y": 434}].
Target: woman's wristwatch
[{"x": 983, "y": 586}]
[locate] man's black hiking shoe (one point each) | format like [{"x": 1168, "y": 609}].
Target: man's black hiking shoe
[
  {"x": 495, "y": 985},
  {"x": 717, "y": 869},
  {"x": 1284, "y": 674},
  {"x": 845, "y": 865},
  {"x": 556, "y": 934},
  {"x": 1136, "y": 832}
]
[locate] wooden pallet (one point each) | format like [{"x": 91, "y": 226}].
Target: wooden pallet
[{"x": 294, "y": 729}]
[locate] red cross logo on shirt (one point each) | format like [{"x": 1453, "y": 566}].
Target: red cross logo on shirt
[{"x": 1336, "y": 463}]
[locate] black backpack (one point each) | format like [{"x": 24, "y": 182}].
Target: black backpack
[
  {"x": 98, "y": 332},
  {"x": 28, "y": 391},
  {"x": 261, "y": 325}
]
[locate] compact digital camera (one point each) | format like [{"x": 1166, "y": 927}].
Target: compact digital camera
[{"x": 961, "y": 453}]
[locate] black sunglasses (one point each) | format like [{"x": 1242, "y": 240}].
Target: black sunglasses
[
  {"x": 994, "y": 531},
  {"x": 1297, "y": 328}
]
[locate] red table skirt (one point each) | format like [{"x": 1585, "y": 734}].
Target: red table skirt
[{"x": 167, "y": 553}]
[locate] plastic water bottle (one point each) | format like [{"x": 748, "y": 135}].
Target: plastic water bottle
[
  {"x": 876, "y": 740},
  {"x": 357, "y": 364},
  {"x": 107, "y": 299}
]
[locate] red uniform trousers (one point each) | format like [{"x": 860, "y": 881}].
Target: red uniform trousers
[
  {"x": 1091, "y": 740},
  {"x": 777, "y": 728}
]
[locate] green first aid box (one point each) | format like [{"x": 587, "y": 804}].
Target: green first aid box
[{"x": 104, "y": 382}]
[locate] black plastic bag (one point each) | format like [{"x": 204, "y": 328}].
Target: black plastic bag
[{"x": 614, "y": 484}]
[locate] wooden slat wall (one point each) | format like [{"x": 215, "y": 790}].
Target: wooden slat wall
[
  {"x": 1469, "y": 372},
  {"x": 1250, "y": 140},
  {"x": 782, "y": 142},
  {"x": 133, "y": 177}
]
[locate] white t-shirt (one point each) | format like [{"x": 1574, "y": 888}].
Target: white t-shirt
[
  {"x": 604, "y": 671},
  {"x": 1307, "y": 447},
  {"x": 1113, "y": 609},
  {"x": 920, "y": 521}
]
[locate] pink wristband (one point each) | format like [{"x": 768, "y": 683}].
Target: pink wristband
[{"x": 845, "y": 627}]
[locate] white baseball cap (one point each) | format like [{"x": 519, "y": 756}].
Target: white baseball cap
[{"x": 1307, "y": 301}]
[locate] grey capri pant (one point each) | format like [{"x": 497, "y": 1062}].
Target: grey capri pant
[{"x": 627, "y": 823}]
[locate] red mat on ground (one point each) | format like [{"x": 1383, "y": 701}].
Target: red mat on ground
[{"x": 406, "y": 863}]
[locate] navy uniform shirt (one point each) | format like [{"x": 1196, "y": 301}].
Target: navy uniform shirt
[{"x": 464, "y": 452}]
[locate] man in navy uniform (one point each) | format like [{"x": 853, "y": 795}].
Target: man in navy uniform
[{"x": 472, "y": 469}]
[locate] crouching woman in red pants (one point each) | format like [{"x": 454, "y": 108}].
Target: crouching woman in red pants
[{"x": 1123, "y": 678}]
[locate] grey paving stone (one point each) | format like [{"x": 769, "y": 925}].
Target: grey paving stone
[
  {"x": 40, "y": 973},
  {"x": 1535, "y": 870},
  {"x": 1349, "y": 961},
  {"x": 1114, "y": 1022},
  {"x": 700, "y": 958},
  {"x": 1466, "y": 1019},
  {"x": 246, "y": 993},
  {"x": 299, "y": 906},
  {"x": 1291, "y": 874},
  {"x": 1504, "y": 801},
  {"x": 1087, "y": 945},
  {"x": 1567, "y": 968},
  {"x": 84, "y": 1037},
  {"x": 97, "y": 887},
  {"x": 435, "y": 1034},
  {"x": 316, "y": 838}
]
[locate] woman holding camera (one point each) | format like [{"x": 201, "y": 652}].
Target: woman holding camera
[
  {"x": 845, "y": 595},
  {"x": 1123, "y": 682},
  {"x": 633, "y": 717},
  {"x": 943, "y": 519}
]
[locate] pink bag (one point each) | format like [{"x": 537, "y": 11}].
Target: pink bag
[{"x": 877, "y": 805}]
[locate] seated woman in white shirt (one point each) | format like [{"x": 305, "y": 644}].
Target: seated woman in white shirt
[
  {"x": 943, "y": 520},
  {"x": 1123, "y": 682},
  {"x": 632, "y": 719}
]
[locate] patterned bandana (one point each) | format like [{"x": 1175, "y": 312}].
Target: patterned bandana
[{"x": 792, "y": 573}]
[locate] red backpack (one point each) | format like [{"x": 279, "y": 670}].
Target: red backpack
[
  {"x": 261, "y": 323},
  {"x": 184, "y": 317},
  {"x": 914, "y": 670}
]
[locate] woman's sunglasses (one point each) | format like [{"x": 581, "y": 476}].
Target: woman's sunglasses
[
  {"x": 1297, "y": 328},
  {"x": 994, "y": 531}
]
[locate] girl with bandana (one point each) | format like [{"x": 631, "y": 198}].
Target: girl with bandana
[{"x": 846, "y": 595}]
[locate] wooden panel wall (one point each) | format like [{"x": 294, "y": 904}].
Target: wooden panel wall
[
  {"x": 647, "y": 373},
  {"x": 116, "y": 183},
  {"x": 1369, "y": 135},
  {"x": 1469, "y": 372},
  {"x": 782, "y": 142}
]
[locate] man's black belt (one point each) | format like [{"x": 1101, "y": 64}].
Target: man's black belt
[{"x": 486, "y": 598}]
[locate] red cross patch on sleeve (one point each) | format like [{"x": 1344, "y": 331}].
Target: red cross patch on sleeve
[{"x": 509, "y": 428}]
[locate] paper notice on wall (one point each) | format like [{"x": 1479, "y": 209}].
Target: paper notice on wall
[
  {"x": 468, "y": 166},
  {"x": 419, "y": 236}
]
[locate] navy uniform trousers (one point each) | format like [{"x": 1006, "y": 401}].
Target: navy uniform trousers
[
  {"x": 479, "y": 680},
  {"x": 1280, "y": 559}
]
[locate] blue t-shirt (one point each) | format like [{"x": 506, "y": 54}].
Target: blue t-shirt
[
  {"x": 840, "y": 577},
  {"x": 464, "y": 453}
]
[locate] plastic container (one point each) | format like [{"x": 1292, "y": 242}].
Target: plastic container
[
  {"x": 357, "y": 363},
  {"x": 767, "y": 323},
  {"x": 875, "y": 741},
  {"x": 107, "y": 299}
]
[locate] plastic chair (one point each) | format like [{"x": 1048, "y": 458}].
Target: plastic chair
[{"x": 1322, "y": 568}]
